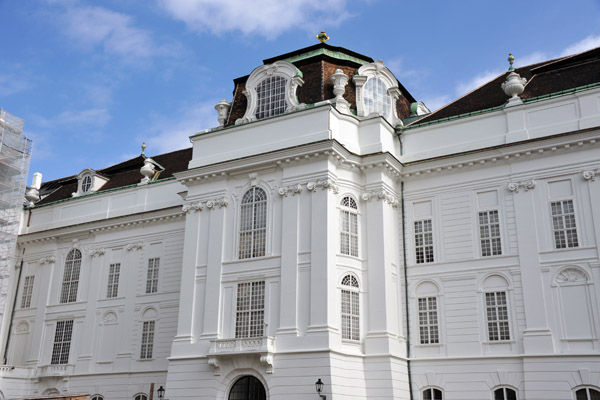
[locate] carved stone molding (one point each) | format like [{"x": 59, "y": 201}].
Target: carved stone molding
[
  {"x": 217, "y": 203},
  {"x": 110, "y": 318},
  {"x": 590, "y": 175},
  {"x": 214, "y": 362},
  {"x": 97, "y": 252},
  {"x": 571, "y": 275},
  {"x": 516, "y": 186},
  {"x": 293, "y": 189},
  {"x": 47, "y": 260},
  {"x": 22, "y": 327},
  {"x": 382, "y": 195},
  {"x": 267, "y": 359},
  {"x": 134, "y": 246},
  {"x": 324, "y": 184},
  {"x": 197, "y": 206}
]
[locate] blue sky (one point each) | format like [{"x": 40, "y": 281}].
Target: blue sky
[{"x": 95, "y": 79}]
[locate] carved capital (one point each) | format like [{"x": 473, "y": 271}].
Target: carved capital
[
  {"x": 134, "y": 246},
  {"x": 47, "y": 260},
  {"x": 590, "y": 175},
  {"x": 217, "y": 203},
  {"x": 97, "y": 252},
  {"x": 515, "y": 187},
  {"x": 382, "y": 195},
  {"x": 293, "y": 189},
  {"x": 197, "y": 206}
]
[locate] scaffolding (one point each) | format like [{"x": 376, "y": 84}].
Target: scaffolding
[{"x": 15, "y": 153}]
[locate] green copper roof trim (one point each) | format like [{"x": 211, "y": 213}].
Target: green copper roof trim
[
  {"x": 322, "y": 51},
  {"x": 487, "y": 110},
  {"x": 96, "y": 193}
]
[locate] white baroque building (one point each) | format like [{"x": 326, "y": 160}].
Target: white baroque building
[{"x": 330, "y": 228}]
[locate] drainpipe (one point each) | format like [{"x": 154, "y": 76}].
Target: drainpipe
[
  {"x": 12, "y": 314},
  {"x": 406, "y": 293}
]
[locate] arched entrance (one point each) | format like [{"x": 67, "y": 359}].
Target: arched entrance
[{"x": 247, "y": 388}]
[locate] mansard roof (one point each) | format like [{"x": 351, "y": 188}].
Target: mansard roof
[
  {"x": 317, "y": 64},
  {"x": 119, "y": 175},
  {"x": 543, "y": 79}
]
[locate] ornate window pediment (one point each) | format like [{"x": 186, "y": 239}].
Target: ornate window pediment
[
  {"x": 377, "y": 92},
  {"x": 88, "y": 181},
  {"x": 271, "y": 90}
]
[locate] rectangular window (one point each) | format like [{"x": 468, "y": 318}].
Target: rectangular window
[
  {"x": 423, "y": 241},
  {"x": 62, "y": 342},
  {"x": 27, "y": 291},
  {"x": 113, "y": 280},
  {"x": 489, "y": 233},
  {"x": 249, "y": 318},
  {"x": 563, "y": 224},
  {"x": 349, "y": 233},
  {"x": 428, "y": 320},
  {"x": 147, "y": 339},
  {"x": 152, "y": 277},
  {"x": 350, "y": 315},
  {"x": 497, "y": 316}
]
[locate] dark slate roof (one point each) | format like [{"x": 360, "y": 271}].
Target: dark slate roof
[
  {"x": 119, "y": 175},
  {"x": 543, "y": 78}
]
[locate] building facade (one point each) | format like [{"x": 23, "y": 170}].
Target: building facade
[{"x": 330, "y": 228}]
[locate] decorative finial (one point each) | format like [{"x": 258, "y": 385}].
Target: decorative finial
[
  {"x": 143, "y": 148},
  {"x": 511, "y": 59},
  {"x": 322, "y": 37}
]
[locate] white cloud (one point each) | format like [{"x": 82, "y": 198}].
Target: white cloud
[
  {"x": 267, "y": 18},
  {"x": 11, "y": 84},
  {"x": 168, "y": 134},
  {"x": 92, "y": 117},
  {"x": 91, "y": 26},
  {"x": 588, "y": 43}
]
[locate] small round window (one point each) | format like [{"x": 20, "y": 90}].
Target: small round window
[
  {"x": 376, "y": 98},
  {"x": 86, "y": 184}
]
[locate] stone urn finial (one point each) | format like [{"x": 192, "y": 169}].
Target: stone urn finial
[
  {"x": 340, "y": 80},
  {"x": 222, "y": 108},
  {"x": 513, "y": 87}
]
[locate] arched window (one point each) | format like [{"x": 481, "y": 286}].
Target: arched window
[
  {"x": 247, "y": 388},
  {"x": 97, "y": 397},
  {"x": 271, "y": 97},
  {"x": 587, "y": 393},
  {"x": 71, "y": 277},
  {"x": 140, "y": 396},
  {"x": 432, "y": 394},
  {"x": 376, "y": 99},
  {"x": 350, "y": 308},
  {"x": 496, "y": 308},
  {"x": 505, "y": 394},
  {"x": 86, "y": 184},
  {"x": 427, "y": 307},
  {"x": 253, "y": 223},
  {"x": 349, "y": 227}
]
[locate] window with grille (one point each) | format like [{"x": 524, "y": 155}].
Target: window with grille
[
  {"x": 247, "y": 387},
  {"x": 71, "y": 277},
  {"x": 147, "y": 339},
  {"x": 113, "y": 280},
  {"x": 587, "y": 394},
  {"x": 432, "y": 394},
  {"x": 563, "y": 224},
  {"x": 249, "y": 318},
  {"x": 376, "y": 98},
  {"x": 497, "y": 316},
  {"x": 97, "y": 397},
  {"x": 152, "y": 276},
  {"x": 350, "y": 308},
  {"x": 62, "y": 342},
  {"x": 423, "y": 241},
  {"x": 489, "y": 233},
  {"x": 349, "y": 227},
  {"x": 271, "y": 97},
  {"x": 428, "y": 320},
  {"x": 140, "y": 396},
  {"x": 253, "y": 223},
  {"x": 505, "y": 394},
  {"x": 27, "y": 291},
  {"x": 86, "y": 184}
]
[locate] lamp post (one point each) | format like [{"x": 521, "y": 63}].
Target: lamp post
[
  {"x": 161, "y": 393},
  {"x": 319, "y": 386}
]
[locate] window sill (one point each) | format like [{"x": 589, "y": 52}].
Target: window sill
[
  {"x": 493, "y": 342},
  {"x": 350, "y": 342},
  {"x": 145, "y": 359},
  {"x": 429, "y": 345}
]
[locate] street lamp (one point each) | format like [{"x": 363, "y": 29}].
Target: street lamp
[
  {"x": 161, "y": 393},
  {"x": 319, "y": 386}
]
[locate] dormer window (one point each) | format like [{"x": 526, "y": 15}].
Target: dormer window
[
  {"x": 271, "y": 90},
  {"x": 271, "y": 97},
  {"x": 377, "y": 92},
  {"x": 86, "y": 184},
  {"x": 89, "y": 181}
]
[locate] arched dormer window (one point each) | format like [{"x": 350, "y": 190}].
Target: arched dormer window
[
  {"x": 253, "y": 224},
  {"x": 271, "y": 90},
  {"x": 350, "y": 308},
  {"x": 348, "y": 227},
  {"x": 377, "y": 92},
  {"x": 587, "y": 393},
  {"x": 70, "y": 281},
  {"x": 432, "y": 394},
  {"x": 88, "y": 181}
]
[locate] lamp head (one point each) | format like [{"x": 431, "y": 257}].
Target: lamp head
[
  {"x": 161, "y": 392},
  {"x": 319, "y": 385}
]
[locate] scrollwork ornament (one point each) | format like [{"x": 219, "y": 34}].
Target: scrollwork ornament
[
  {"x": 311, "y": 186},
  {"x": 527, "y": 185},
  {"x": 195, "y": 207},
  {"x": 47, "y": 260},
  {"x": 571, "y": 275},
  {"x": 134, "y": 246},
  {"x": 96, "y": 252},
  {"x": 590, "y": 175}
]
